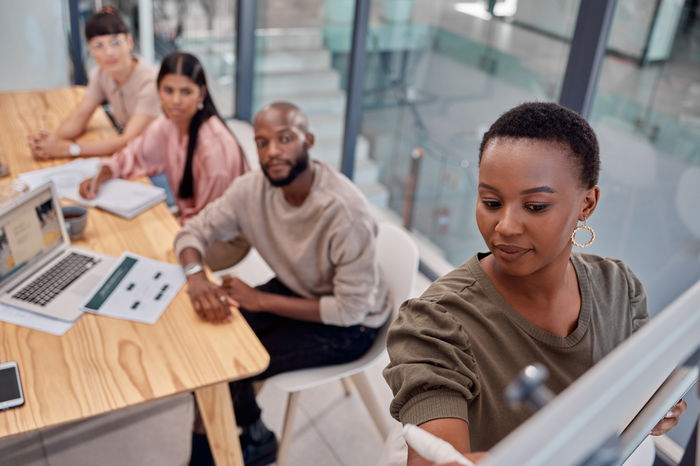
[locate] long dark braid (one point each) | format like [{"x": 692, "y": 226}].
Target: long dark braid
[{"x": 186, "y": 64}]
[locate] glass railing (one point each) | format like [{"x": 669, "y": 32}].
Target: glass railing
[{"x": 647, "y": 117}]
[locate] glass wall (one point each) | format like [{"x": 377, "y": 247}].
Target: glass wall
[
  {"x": 34, "y": 52},
  {"x": 439, "y": 73},
  {"x": 648, "y": 119}
]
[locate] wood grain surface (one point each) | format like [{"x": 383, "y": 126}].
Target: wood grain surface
[
  {"x": 103, "y": 364},
  {"x": 225, "y": 449}
]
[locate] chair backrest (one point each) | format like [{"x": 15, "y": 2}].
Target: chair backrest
[
  {"x": 398, "y": 256},
  {"x": 243, "y": 132}
]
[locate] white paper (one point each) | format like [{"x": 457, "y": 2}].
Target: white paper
[
  {"x": 28, "y": 319},
  {"x": 122, "y": 197},
  {"x": 136, "y": 288},
  {"x": 66, "y": 177}
]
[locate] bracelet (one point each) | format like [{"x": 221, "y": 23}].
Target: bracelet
[{"x": 192, "y": 269}]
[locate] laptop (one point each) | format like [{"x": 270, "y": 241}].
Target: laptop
[{"x": 39, "y": 270}]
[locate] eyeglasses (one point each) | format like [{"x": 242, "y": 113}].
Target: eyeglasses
[{"x": 107, "y": 42}]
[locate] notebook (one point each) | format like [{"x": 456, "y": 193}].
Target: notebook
[
  {"x": 39, "y": 270},
  {"x": 121, "y": 197}
]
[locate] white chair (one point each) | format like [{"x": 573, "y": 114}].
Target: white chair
[
  {"x": 398, "y": 261},
  {"x": 243, "y": 132}
]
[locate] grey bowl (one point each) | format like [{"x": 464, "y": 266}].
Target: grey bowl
[{"x": 75, "y": 217}]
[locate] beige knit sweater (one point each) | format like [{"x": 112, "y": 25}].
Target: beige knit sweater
[{"x": 323, "y": 248}]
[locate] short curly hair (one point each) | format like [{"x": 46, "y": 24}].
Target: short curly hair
[{"x": 551, "y": 122}]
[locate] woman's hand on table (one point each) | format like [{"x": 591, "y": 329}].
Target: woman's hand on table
[
  {"x": 45, "y": 145},
  {"x": 210, "y": 302},
  {"x": 91, "y": 186}
]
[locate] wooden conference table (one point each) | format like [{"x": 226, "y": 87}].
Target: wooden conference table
[{"x": 103, "y": 364}]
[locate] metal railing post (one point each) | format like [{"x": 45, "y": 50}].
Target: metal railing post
[
  {"x": 76, "y": 52},
  {"x": 409, "y": 196},
  {"x": 245, "y": 59},
  {"x": 586, "y": 55},
  {"x": 146, "y": 40},
  {"x": 356, "y": 87}
]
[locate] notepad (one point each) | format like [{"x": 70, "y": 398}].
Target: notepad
[{"x": 121, "y": 197}]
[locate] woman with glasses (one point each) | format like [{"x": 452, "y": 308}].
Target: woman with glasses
[{"x": 120, "y": 78}]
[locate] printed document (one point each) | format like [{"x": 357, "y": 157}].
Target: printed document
[{"x": 136, "y": 288}]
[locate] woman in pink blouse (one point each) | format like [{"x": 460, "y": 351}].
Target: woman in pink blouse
[{"x": 190, "y": 143}]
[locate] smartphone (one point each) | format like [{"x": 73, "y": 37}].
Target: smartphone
[{"x": 11, "y": 395}]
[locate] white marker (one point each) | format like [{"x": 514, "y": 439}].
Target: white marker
[{"x": 432, "y": 448}]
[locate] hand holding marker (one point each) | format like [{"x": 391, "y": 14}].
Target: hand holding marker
[{"x": 432, "y": 448}]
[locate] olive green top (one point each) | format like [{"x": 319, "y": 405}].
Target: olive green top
[{"x": 455, "y": 349}]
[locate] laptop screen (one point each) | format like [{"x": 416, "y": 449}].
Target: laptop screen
[{"x": 28, "y": 231}]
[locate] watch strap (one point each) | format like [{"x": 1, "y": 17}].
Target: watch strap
[
  {"x": 74, "y": 149},
  {"x": 193, "y": 268}
]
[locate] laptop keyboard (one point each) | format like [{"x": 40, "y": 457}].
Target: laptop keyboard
[{"x": 49, "y": 284}]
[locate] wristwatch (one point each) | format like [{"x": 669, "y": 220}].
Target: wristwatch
[
  {"x": 74, "y": 149},
  {"x": 193, "y": 268}
]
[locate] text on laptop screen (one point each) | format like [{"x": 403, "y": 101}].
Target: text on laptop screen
[{"x": 28, "y": 231}]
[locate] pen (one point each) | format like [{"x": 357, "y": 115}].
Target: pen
[
  {"x": 94, "y": 182},
  {"x": 432, "y": 448}
]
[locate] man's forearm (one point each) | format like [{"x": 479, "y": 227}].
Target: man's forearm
[
  {"x": 308, "y": 309},
  {"x": 190, "y": 256}
]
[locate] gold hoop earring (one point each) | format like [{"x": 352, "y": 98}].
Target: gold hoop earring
[{"x": 579, "y": 228}]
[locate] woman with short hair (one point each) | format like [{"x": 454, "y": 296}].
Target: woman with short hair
[{"x": 454, "y": 350}]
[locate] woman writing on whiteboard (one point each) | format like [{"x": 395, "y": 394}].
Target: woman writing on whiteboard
[{"x": 529, "y": 299}]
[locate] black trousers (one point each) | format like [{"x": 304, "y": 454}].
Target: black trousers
[
  {"x": 690, "y": 449},
  {"x": 295, "y": 344}
]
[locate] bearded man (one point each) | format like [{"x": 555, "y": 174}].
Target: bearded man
[{"x": 313, "y": 228}]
